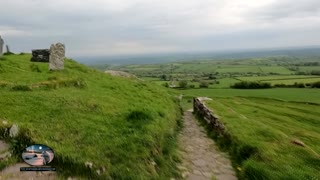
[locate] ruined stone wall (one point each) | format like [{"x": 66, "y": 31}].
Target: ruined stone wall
[
  {"x": 201, "y": 110},
  {"x": 40, "y": 55}
]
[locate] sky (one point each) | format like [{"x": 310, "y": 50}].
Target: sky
[{"x": 130, "y": 27}]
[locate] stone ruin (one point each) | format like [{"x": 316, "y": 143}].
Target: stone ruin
[
  {"x": 1, "y": 46},
  {"x": 40, "y": 55},
  {"x": 57, "y": 55}
]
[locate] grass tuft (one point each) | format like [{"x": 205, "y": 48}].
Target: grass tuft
[{"x": 20, "y": 87}]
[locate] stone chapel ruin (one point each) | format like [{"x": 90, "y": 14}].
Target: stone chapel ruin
[{"x": 55, "y": 56}]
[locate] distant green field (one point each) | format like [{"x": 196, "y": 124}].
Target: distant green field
[
  {"x": 275, "y": 69},
  {"x": 275, "y": 77},
  {"x": 292, "y": 81},
  {"x": 238, "y": 68},
  {"x": 309, "y": 68},
  {"x": 266, "y": 129},
  {"x": 286, "y": 94},
  {"x": 282, "y": 79}
]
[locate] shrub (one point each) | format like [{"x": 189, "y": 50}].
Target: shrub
[
  {"x": 195, "y": 80},
  {"x": 279, "y": 85},
  {"x": 183, "y": 84},
  {"x": 295, "y": 85},
  {"x": 35, "y": 68},
  {"x": 250, "y": 85},
  {"x": 211, "y": 76},
  {"x": 315, "y": 72},
  {"x": 163, "y": 77},
  {"x": 165, "y": 84},
  {"x": 203, "y": 84},
  {"x": 139, "y": 118},
  {"x": 8, "y": 53},
  {"x": 315, "y": 84},
  {"x": 21, "y": 88},
  {"x": 299, "y": 85},
  {"x": 192, "y": 86}
]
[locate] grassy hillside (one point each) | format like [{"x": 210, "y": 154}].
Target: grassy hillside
[
  {"x": 126, "y": 126},
  {"x": 263, "y": 134}
]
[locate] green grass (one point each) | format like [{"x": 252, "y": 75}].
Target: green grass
[
  {"x": 268, "y": 127},
  {"x": 125, "y": 125}
]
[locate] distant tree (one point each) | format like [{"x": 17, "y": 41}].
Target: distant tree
[
  {"x": 203, "y": 84},
  {"x": 315, "y": 84},
  {"x": 183, "y": 84},
  {"x": 251, "y": 85},
  {"x": 211, "y": 76},
  {"x": 165, "y": 84},
  {"x": 298, "y": 85},
  {"x": 163, "y": 77},
  {"x": 315, "y": 72}
]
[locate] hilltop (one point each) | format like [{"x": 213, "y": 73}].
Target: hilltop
[{"x": 125, "y": 126}]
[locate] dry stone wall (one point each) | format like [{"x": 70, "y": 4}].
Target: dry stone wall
[{"x": 201, "y": 110}]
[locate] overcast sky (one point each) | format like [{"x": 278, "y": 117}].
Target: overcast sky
[{"x": 120, "y": 27}]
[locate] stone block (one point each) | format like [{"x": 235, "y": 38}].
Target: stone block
[{"x": 57, "y": 55}]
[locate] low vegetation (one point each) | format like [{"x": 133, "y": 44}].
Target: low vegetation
[{"x": 250, "y": 85}]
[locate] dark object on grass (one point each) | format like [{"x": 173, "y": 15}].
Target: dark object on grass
[
  {"x": 40, "y": 55},
  {"x": 251, "y": 85},
  {"x": 21, "y": 88}
]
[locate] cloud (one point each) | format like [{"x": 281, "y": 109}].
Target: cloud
[{"x": 111, "y": 27}]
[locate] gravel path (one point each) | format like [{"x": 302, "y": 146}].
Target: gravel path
[{"x": 201, "y": 158}]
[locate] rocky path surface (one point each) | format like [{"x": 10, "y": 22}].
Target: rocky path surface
[{"x": 201, "y": 158}]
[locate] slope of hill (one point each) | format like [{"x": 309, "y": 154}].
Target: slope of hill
[{"x": 124, "y": 127}]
